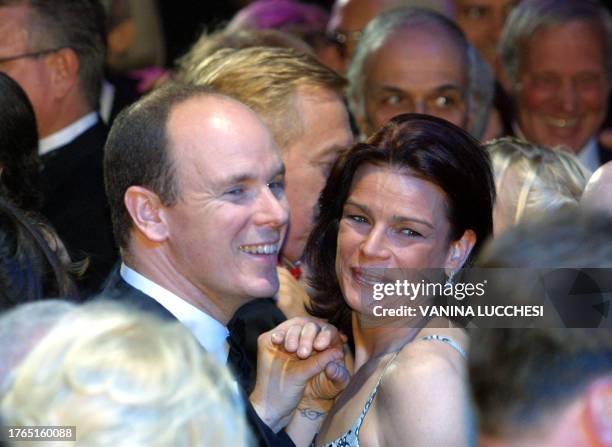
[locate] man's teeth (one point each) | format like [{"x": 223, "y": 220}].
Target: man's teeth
[
  {"x": 266, "y": 249},
  {"x": 561, "y": 122}
]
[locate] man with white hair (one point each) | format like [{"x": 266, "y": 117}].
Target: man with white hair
[
  {"x": 558, "y": 66},
  {"x": 416, "y": 61}
]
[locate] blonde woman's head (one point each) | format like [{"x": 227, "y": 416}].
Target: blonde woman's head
[
  {"x": 531, "y": 180},
  {"x": 125, "y": 379}
]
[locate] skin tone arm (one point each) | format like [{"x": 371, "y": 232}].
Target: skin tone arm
[
  {"x": 430, "y": 391},
  {"x": 297, "y": 369}
]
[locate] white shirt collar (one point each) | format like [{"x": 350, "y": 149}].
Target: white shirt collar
[
  {"x": 67, "y": 134},
  {"x": 210, "y": 333},
  {"x": 588, "y": 155},
  {"x": 107, "y": 96}
]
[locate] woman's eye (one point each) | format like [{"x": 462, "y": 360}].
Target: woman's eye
[
  {"x": 358, "y": 219},
  {"x": 410, "y": 233}
]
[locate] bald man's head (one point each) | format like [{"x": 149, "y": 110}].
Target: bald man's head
[{"x": 597, "y": 195}]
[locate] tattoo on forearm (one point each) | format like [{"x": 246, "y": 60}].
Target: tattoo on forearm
[{"x": 311, "y": 414}]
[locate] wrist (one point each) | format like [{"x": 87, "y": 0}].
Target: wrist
[
  {"x": 272, "y": 419},
  {"x": 323, "y": 406}
]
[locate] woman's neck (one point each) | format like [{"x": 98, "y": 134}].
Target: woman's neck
[{"x": 371, "y": 342}]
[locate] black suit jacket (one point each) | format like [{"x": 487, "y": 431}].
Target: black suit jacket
[
  {"x": 605, "y": 154},
  {"x": 75, "y": 203},
  {"x": 119, "y": 290}
]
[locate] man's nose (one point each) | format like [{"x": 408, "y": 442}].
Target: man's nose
[
  {"x": 273, "y": 210},
  {"x": 568, "y": 96},
  {"x": 421, "y": 107}
]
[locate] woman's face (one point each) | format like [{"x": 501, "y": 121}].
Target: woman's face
[{"x": 391, "y": 219}]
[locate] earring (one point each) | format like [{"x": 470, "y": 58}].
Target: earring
[{"x": 449, "y": 279}]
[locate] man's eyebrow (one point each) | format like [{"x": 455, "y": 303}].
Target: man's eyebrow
[
  {"x": 246, "y": 177},
  {"x": 390, "y": 89},
  {"x": 237, "y": 178},
  {"x": 445, "y": 87}
]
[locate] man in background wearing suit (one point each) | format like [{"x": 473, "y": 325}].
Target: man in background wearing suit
[
  {"x": 557, "y": 65},
  {"x": 196, "y": 188},
  {"x": 55, "y": 51}
]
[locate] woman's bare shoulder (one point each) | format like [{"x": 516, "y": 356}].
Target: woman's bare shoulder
[
  {"x": 425, "y": 365},
  {"x": 425, "y": 385}
]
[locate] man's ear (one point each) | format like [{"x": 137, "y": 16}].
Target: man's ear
[
  {"x": 599, "y": 411},
  {"x": 459, "y": 251},
  {"x": 146, "y": 208},
  {"x": 64, "y": 65}
]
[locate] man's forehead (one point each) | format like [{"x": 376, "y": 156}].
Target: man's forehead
[
  {"x": 208, "y": 114},
  {"x": 13, "y": 27},
  {"x": 213, "y": 131}
]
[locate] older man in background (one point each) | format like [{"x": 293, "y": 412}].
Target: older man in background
[
  {"x": 55, "y": 51},
  {"x": 413, "y": 60},
  {"x": 557, "y": 64}
]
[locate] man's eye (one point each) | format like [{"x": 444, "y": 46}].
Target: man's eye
[
  {"x": 277, "y": 185},
  {"x": 393, "y": 100},
  {"x": 444, "y": 102},
  {"x": 588, "y": 81},
  {"x": 236, "y": 191},
  {"x": 277, "y": 188},
  {"x": 475, "y": 12},
  {"x": 546, "y": 80}
]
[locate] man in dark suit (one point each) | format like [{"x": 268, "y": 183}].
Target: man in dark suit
[
  {"x": 55, "y": 50},
  {"x": 196, "y": 188},
  {"x": 556, "y": 64}
]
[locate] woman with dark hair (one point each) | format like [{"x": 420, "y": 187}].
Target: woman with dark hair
[
  {"x": 19, "y": 162},
  {"x": 418, "y": 195},
  {"x": 33, "y": 262}
]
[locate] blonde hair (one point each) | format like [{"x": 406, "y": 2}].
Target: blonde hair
[
  {"x": 209, "y": 43},
  {"x": 125, "y": 379},
  {"x": 533, "y": 180},
  {"x": 266, "y": 79}
]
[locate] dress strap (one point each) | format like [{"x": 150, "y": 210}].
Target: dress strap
[
  {"x": 373, "y": 394},
  {"x": 447, "y": 340}
]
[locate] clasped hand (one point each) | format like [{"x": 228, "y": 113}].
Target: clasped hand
[{"x": 300, "y": 363}]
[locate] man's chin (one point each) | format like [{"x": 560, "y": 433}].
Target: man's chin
[{"x": 263, "y": 288}]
